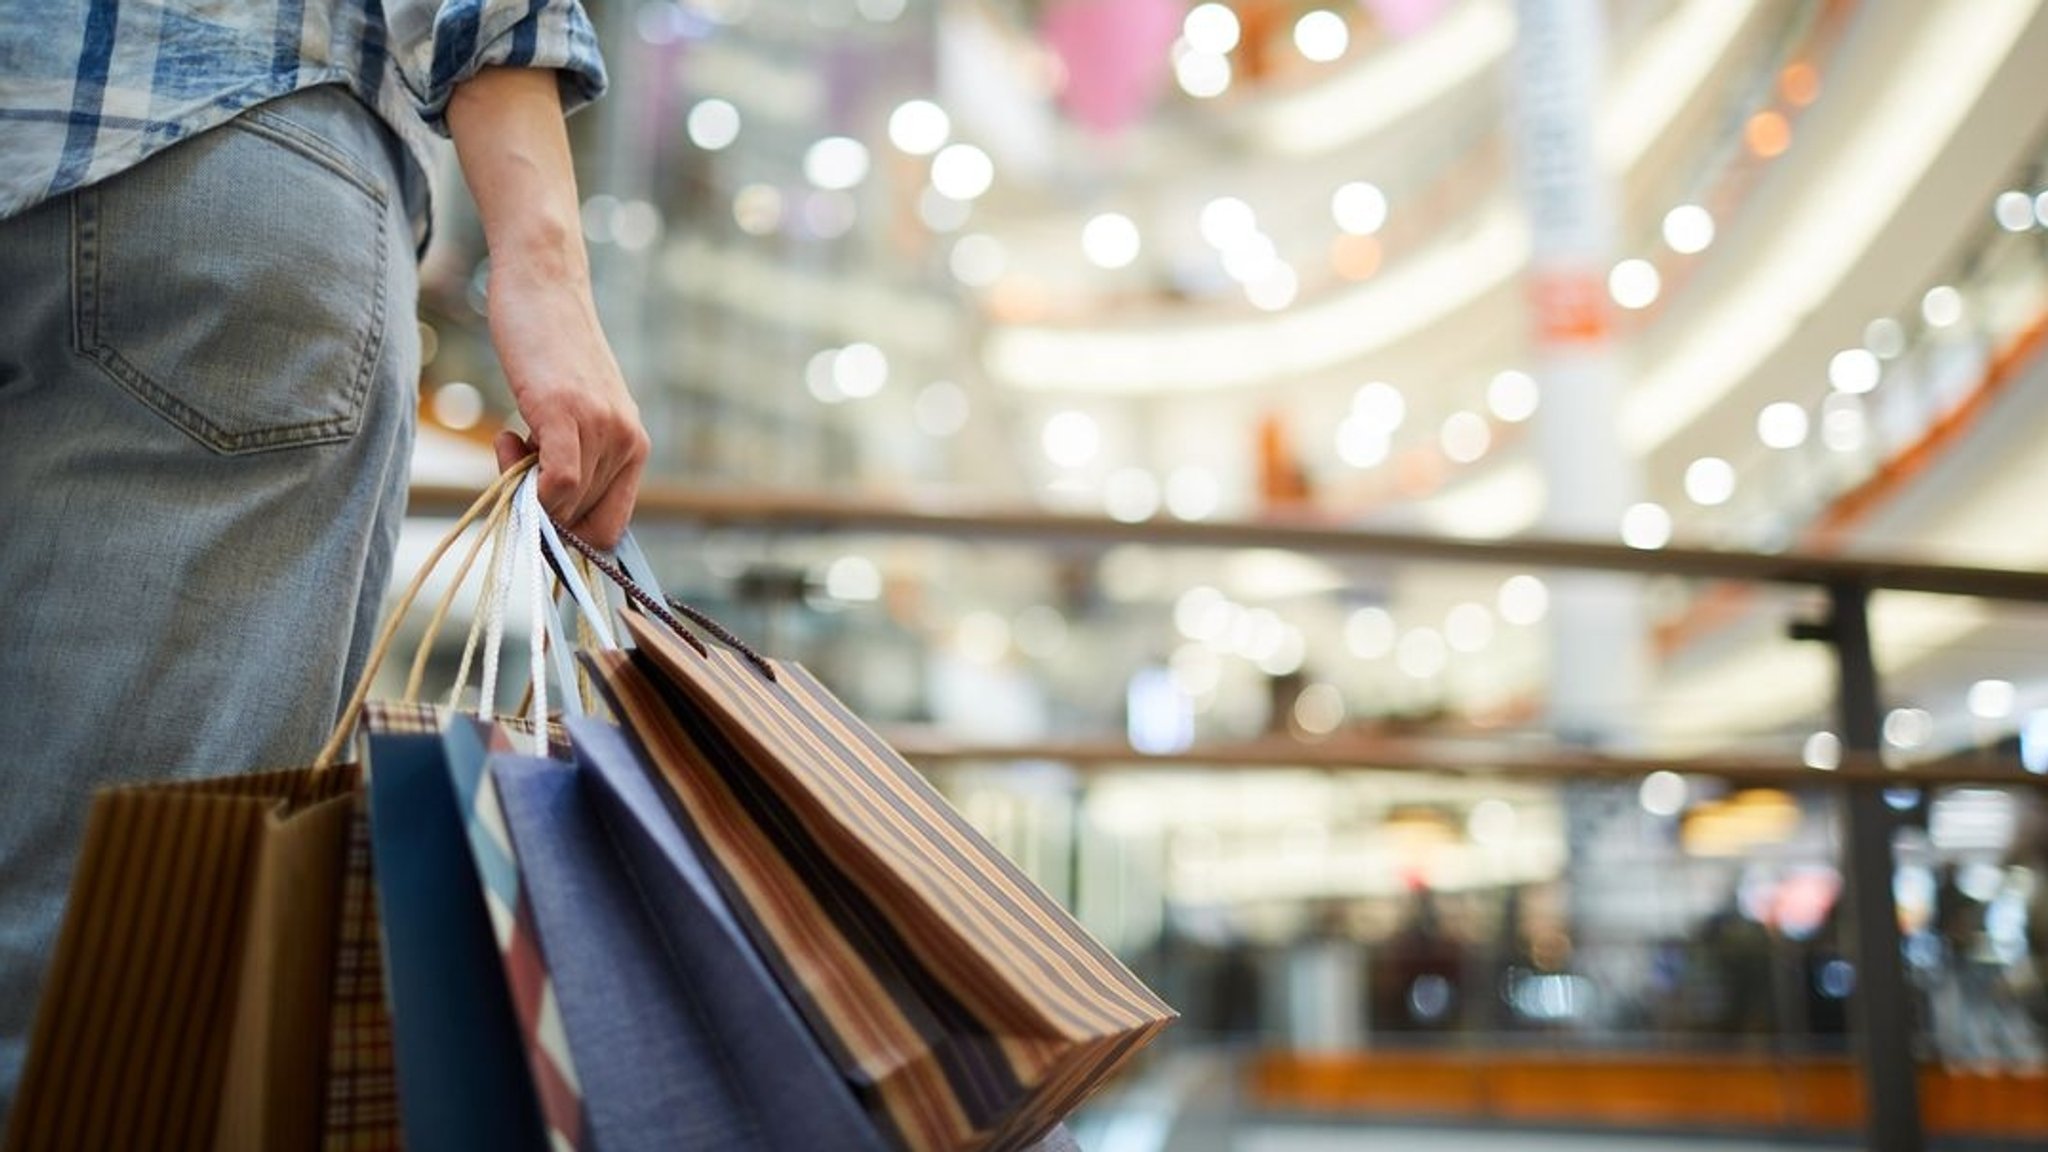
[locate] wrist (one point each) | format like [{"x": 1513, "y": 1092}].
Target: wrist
[{"x": 540, "y": 254}]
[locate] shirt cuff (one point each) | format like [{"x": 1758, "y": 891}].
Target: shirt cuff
[{"x": 551, "y": 34}]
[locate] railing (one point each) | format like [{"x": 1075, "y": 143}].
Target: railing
[{"x": 1891, "y": 1092}]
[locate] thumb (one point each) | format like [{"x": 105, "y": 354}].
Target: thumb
[{"x": 511, "y": 448}]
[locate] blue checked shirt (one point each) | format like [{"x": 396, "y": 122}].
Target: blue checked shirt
[{"x": 88, "y": 88}]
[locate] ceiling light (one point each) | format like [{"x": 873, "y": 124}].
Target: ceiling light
[
  {"x": 1359, "y": 208},
  {"x": 1380, "y": 405},
  {"x": 1991, "y": 699},
  {"x": 1251, "y": 259},
  {"x": 1369, "y": 633},
  {"x": 1322, "y": 36},
  {"x": 1688, "y": 229},
  {"x": 1193, "y": 493},
  {"x": 1885, "y": 337},
  {"x": 860, "y": 370},
  {"x": 853, "y": 578},
  {"x": 1362, "y": 444},
  {"x": 1465, "y": 437},
  {"x": 1071, "y": 439},
  {"x": 1908, "y": 727},
  {"x": 836, "y": 163},
  {"x": 1469, "y": 627},
  {"x": 1421, "y": 653},
  {"x": 1512, "y": 396},
  {"x": 1781, "y": 425},
  {"x": 1709, "y": 481},
  {"x": 1319, "y": 710},
  {"x": 2014, "y": 211},
  {"x": 713, "y": 124},
  {"x": 919, "y": 127},
  {"x": 820, "y": 378},
  {"x": 1202, "y": 75},
  {"x": 1822, "y": 751},
  {"x": 458, "y": 405},
  {"x": 1211, "y": 28},
  {"x": 1854, "y": 370},
  {"x": 1523, "y": 599},
  {"x": 1646, "y": 526},
  {"x": 1942, "y": 306},
  {"x": 1110, "y": 240},
  {"x": 1634, "y": 284},
  {"x": 1275, "y": 290},
  {"x": 1842, "y": 424},
  {"x": 1202, "y": 613},
  {"x": 1662, "y": 793},
  {"x": 962, "y": 172},
  {"x": 977, "y": 259},
  {"x": 1227, "y": 222},
  {"x": 757, "y": 209}
]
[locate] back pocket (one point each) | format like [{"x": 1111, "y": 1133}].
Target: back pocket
[{"x": 234, "y": 283}]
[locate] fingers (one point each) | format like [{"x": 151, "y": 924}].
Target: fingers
[
  {"x": 511, "y": 448},
  {"x": 590, "y": 475},
  {"x": 606, "y": 521}
]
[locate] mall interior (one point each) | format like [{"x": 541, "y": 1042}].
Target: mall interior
[{"x": 1482, "y": 546}]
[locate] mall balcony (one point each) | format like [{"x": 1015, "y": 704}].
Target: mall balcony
[{"x": 1492, "y": 551}]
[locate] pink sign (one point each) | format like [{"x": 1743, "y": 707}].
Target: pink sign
[
  {"x": 1117, "y": 54},
  {"x": 1404, "y": 18}
]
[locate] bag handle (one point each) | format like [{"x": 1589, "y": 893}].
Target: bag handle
[
  {"x": 488, "y": 502},
  {"x": 660, "y": 606}
]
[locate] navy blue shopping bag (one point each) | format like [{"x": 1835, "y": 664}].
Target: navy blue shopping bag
[
  {"x": 680, "y": 1034},
  {"x": 463, "y": 1082}
]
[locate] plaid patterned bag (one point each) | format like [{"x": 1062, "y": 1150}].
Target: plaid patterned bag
[{"x": 361, "y": 1113}]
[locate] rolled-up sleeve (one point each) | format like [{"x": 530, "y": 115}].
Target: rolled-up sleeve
[{"x": 438, "y": 45}]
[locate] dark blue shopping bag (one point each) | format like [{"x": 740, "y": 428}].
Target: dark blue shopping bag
[
  {"x": 681, "y": 1036},
  {"x": 463, "y": 1082}
]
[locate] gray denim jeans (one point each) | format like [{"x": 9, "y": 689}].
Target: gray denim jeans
[{"x": 208, "y": 368}]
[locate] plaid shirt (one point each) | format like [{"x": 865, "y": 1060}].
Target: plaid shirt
[{"x": 89, "y": 88}]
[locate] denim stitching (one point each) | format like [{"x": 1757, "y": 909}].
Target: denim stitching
[{"x": 366, "y": 353}]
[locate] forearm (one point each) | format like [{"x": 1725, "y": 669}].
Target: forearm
[
  {"x": 509, "y": 136},
  {"x": 514, "y": 150}
]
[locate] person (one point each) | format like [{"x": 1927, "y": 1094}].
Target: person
[{"x": 210, "y": 217}]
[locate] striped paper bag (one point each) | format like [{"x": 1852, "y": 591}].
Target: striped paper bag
[
  {"x": 967, "y": 1009},
  {"x": 188, "y": 1001}
]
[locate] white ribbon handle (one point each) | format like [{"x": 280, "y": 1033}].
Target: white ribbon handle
[
  {"x": 635, "y": 564},
  {"x": 528, "y": 533}
]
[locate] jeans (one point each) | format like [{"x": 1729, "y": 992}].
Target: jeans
[{"x": 208, "y": 369}]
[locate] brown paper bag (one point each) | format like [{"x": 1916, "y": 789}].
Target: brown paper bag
[
  {"x": 188, "y": 999},
  {"x": 217, "y": 982},
  {"x": 968, "y": 1011}
]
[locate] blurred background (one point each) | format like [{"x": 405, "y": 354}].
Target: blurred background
[{"x": 1082, "y": 388}]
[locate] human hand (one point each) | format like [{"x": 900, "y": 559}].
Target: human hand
[
  {"x": 580, "y": 417},
  {"x": 507, "y": 125}
]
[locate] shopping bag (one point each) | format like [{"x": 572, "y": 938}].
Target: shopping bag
[
  {"x": 681, "y": 1034},
  {"x": 218, "y": 982},
  {"x": 463, "y": 1080},
  {"x": 964, "y": 1006},
  {"x": 187, "y": 1001},
  {"x": 481, "y": 1057}
]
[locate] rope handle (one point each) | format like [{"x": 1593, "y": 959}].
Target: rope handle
[
  {"x": 487, "y": 502},
  {"x": 666, "y": 611}
]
